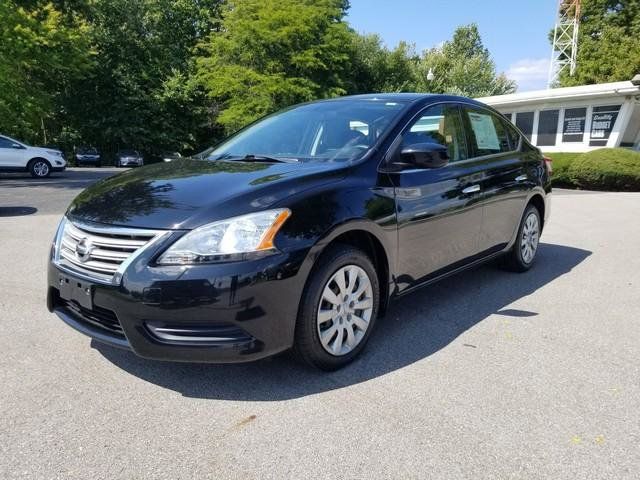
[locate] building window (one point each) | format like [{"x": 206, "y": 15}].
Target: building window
[
  {"x": 524, "y": 121},
  {"x": 602, "y": 121},
  {"x": 547, "y": 127},
  {"x": 573, "y": 125}
]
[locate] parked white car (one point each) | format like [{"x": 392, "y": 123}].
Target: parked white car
[{"x": 16, "y": 156}]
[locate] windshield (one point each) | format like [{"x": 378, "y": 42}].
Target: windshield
[
  {"x": 326, "y": 131},
  {"x": 128, "y": 153}
]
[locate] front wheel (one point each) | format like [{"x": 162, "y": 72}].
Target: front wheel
[
  {"x": 523, "y": 253},
  {"x": 338, "y": 309},
  {"x": 39, "y": 168}
]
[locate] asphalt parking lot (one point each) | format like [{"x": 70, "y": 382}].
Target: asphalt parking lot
[{"x": 485, "y": 375}]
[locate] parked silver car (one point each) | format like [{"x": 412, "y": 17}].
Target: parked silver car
[{"x": 129, "y": 158}]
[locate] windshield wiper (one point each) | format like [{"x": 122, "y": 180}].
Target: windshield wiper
[{"x": 258, "y": 158}]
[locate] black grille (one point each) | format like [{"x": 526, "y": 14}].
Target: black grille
[{"x": 97, "y": 317}]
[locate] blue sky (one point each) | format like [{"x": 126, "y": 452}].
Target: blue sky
[{"x": 514, "y": 32}]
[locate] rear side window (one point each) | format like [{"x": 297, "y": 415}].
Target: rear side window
[
  {"x": 514, "y": 137},
  {"x": 439, "y": 124},
  {"x": 488, "y": 134}
]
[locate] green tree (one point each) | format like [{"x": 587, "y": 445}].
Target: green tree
[
  {"x": 462, "y": 66},
  {"x": 138, "y": 94},
  {"x": 608, "y": 42},
  {"x": 41, "y": 53},
  {"x": 375, "y": 68},
  {"x": 270, "y": 54}
]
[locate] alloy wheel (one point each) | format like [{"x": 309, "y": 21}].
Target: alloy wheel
[
  {"x": 345, "y": 310},
  {"x": 41, "y": 169}
]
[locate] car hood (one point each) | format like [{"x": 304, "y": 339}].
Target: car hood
[
  {"x": 44, "y": 150},
  {"x": 187, "y": 193}
]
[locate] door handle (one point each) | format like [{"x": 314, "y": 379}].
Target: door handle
[
  {"x": 521, "y": 178},
  {"x": 471, "y": 189}
]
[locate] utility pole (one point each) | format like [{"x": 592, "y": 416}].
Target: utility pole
[
  {"x": 44, "y": 131},
  {"x": 565, "y": 40}
]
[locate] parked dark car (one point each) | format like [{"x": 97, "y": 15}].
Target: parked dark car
[
  {"x": 88, "y": 156},
  {"x": 129, "y": 158},
  {"x": 298, "y": 230}
]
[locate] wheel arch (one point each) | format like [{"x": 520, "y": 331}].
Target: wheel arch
[
  {"x": 366, "y": 236},
  {"x": 31, "y": 160},
  {"x": 537, "y": 200}
]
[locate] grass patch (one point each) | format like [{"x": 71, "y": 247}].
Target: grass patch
[{"x": 613, "y": 169}]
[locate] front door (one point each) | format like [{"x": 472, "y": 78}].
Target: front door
[
  {"x": 9, "y": 156},
  {"x": 438, "y": 210}
]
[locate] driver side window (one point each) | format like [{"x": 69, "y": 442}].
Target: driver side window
[{"x": 440, "y": 124}]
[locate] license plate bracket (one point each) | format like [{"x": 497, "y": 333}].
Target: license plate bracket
[{"x": 72, "y": 289}]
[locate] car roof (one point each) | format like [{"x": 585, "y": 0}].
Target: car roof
[{"x": 406, "y": 98}]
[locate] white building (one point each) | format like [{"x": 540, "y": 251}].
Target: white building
[{"x": 576, "y": 119}]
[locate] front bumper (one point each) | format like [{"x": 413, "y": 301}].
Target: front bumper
[
  {"x": 130, "y": 162},
  {"x": 224, "y": 313}
]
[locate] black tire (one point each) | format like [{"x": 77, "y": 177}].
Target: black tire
[
  {"x": 39, "y": 168},
  {"x": 515, "y": 260},
  {"x": 307, "y": 344}
]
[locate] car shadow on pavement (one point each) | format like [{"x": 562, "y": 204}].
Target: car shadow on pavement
[
  {"x": 17, "y": 211},
  {"x": 76, "y": 179},
  {"x": 416, "y": 326}
]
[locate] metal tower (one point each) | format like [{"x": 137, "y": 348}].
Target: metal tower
[{"x": 565, "y": 40}]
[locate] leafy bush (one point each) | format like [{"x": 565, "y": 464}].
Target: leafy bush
[
  {"x": 606, "y": 169},
  {"x": 561, "y": 163},
  {"x": 603, "y": 169}
]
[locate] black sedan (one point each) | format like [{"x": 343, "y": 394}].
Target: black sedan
[
  {"x": 299, "y": 230},
  {"x": 88, "y": 156}
]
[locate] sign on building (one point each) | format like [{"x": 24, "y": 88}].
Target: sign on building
[
  {"x": 574, "y": 122},
  {"x": 602, "y": 121}
]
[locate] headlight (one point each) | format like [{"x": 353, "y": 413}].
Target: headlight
[
  {"x": 54, "y": 152},
  {"x": 227, "y": 239}
]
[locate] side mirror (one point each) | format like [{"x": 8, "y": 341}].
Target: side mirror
[
  {"x": 17, "y": 146},
  {"x": 425, "y": 155}
]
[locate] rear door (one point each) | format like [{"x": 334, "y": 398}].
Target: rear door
[
  {"x": 438, "y": 210},
  {"x": 504, "y": 183}
]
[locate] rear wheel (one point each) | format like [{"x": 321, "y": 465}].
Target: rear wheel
[
  {"x": 338, "y": 310},
  {"x": 39, "y": 168},
  {"x": 523, "y": 253}
]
